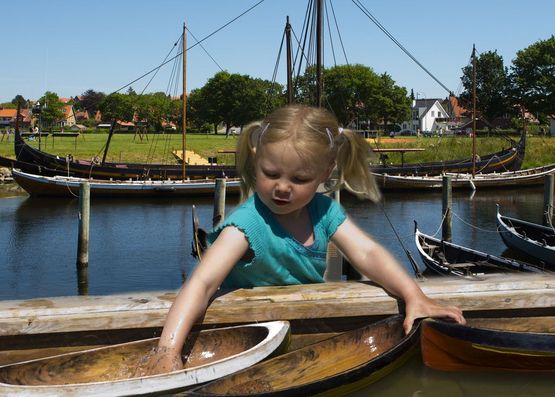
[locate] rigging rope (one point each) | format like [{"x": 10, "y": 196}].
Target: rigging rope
[{"x": 388, "y": 34}]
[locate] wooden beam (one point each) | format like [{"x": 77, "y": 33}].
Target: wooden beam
[{"x": 327, "y": 300}]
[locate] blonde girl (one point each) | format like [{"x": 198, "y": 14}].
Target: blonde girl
[{"x": 279, "y": 234}]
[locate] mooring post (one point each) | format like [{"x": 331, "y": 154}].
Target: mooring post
[
  {"x": 83, "y": 237},
  {"x": 446, "y": 209},
  {"x": 334, "y": 259},
  {"x": 548, "y": 199},
  {"x": 219, "y": 202}
]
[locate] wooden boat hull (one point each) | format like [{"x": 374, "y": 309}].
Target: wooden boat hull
[
  {"x": 111, "y": 371},
  {"x": 505, "y": 160},
  {"x": 509, "y": 344},
  {"x": 88, "y": 169},
  {"x": 447, "y": 258},
  {"x": 530, "y": 238},
  {"x": 339, "y": 365},
  {"x": 463, "y": 181},
  {"x": 61, "y": 186}
]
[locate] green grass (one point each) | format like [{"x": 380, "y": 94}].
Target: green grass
[{"x": 157, "y": 148}]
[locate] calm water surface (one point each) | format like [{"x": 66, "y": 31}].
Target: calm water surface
[{"x": 144, "y": 245}]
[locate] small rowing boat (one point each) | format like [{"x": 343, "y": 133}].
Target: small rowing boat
[
  {"x": 490, "y": 344},
  {"x": 445, "y": 257},
  {"x": 535, "y": 240},
  {"x": 338, "y": 365},
  {"x": 112, "y": 370}
]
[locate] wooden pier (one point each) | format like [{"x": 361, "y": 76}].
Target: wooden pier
[{"x": 495, "y": 295}]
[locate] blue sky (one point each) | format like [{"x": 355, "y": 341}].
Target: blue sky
[{"x": 69, "y": 47}]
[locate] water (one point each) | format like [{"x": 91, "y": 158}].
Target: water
[{"x": 143, "y": 245}]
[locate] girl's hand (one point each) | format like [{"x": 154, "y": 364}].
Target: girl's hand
[
  {"x": 426, "y": 307},
  {"x": 159, "y": 361}
]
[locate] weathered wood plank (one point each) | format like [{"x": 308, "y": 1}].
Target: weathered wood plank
[{"x": 327, "y": 300}]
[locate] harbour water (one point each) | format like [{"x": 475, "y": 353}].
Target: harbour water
[{"x": 143, "y": 245}]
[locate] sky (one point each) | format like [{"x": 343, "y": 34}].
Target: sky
[{"x": 69, "y": 47}]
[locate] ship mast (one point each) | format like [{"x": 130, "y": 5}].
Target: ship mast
[
  {"x": 473, "y": 111},
  {"x": 184, "y": 121}
]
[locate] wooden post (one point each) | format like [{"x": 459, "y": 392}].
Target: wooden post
[
  {"x": 219, "y": 201},
  {"x": 83, "y": 237},
  {"x": 334, "y": 259},
  {"x": 446, "y": 209},
  {"x": 548, "y": 199}
]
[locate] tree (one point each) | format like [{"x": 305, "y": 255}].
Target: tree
[
  {"x": 492, "y": 86},
  {"x": 392, "y": 102},
  {"x": 90, "y": 101},
  {"x": 50, "y": 110},
  {"x": 533, "y": 78},
  {"x": 19, "y": 100},
  {"x": 351, "y": 92},
  {"x": 116, "y": 107}
]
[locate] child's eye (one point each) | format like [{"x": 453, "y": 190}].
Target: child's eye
[
  {"x": 300, "y": 180},
  {"x": 269, "y": 174}
]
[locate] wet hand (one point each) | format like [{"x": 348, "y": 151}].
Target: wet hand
[{"x": 159, "y": 361}]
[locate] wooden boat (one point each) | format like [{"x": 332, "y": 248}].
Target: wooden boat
[
  {"x": 504, "y": 160},
  {"x": 112, "y": 371},
  {"x": 490, "y": 344},
  {"x": 530, "y": 238},
  {"x": 64, "y": 186},
  {"x": 338, "y": 365},
  {"x": 447, "y": 258},
  {"x": 93, "y": 169},
  {"x": 463, "y": 181}
]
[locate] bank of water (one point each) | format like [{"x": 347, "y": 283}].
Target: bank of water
[{"x": 143, "y": 245}]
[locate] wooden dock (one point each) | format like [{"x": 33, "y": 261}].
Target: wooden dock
[{"x": 499, "y": 294}]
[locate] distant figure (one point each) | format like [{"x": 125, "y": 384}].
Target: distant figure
[{"x": 279, "y": 234}]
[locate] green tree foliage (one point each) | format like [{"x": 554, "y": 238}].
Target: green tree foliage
[
  {"x": 90, "y": 101},
  {"x": 392, "y": 102},
  {"x": 492, "y": 86},
  {"x": 533, "y": 78},
  {"x": 116, "y": 107},
  {"x": 23, "y": 103},
  {"x": 50, "y": 110}
]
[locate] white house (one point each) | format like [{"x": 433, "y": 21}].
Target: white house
[{"x": 427, "y": 116}]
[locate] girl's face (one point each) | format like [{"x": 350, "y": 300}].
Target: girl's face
[{"x": 284, "y": 183}]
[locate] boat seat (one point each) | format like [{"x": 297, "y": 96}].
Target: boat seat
[{"x": 461, "y": 265}]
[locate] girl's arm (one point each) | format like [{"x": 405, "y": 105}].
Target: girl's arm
[
  {"x": 376, "y": 263},
  {"x": 192, "y": 300}
]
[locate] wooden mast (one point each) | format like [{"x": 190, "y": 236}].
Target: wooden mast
[
  {"x": 184, "y": 121},
  {"x": 473, "y": 110},
  {"x": 319, "y": 38},
  {"x": 289, "y": 62}
]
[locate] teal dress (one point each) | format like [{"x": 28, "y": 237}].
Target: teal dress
[{"x": 278, "y": 258}]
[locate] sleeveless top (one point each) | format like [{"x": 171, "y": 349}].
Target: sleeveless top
[{"x": 278, "y": 258}]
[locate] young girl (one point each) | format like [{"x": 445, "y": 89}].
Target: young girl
[{"x": 279, "y": 235}]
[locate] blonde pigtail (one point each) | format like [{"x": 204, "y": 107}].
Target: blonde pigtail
[
  {"x": 246, "y": 149},
  {"x": 352, "y": 165}
]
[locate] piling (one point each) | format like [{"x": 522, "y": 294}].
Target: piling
[
  {"x": 446, "y": 209},
  {"x": 219, "y": 202},
  {"x": 548, "y": 199},
  {"x": 84, "y": 215}
]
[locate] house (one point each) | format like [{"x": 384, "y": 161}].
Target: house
[
  {"x": 8, "y": 116},
  {"x": 427, "y": 116},
  {"x": 69, "y": 119}
]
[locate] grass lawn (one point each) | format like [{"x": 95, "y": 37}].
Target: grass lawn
[{"x": 157, "y": 148}]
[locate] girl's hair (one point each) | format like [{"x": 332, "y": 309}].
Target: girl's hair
[{"x": 315, "y": 134}]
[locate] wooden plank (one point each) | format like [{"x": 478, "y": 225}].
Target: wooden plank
[{"x": 326, "y": 300}]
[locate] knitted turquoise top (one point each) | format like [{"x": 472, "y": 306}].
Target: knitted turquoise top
[{"x": 278, "y": 258}]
